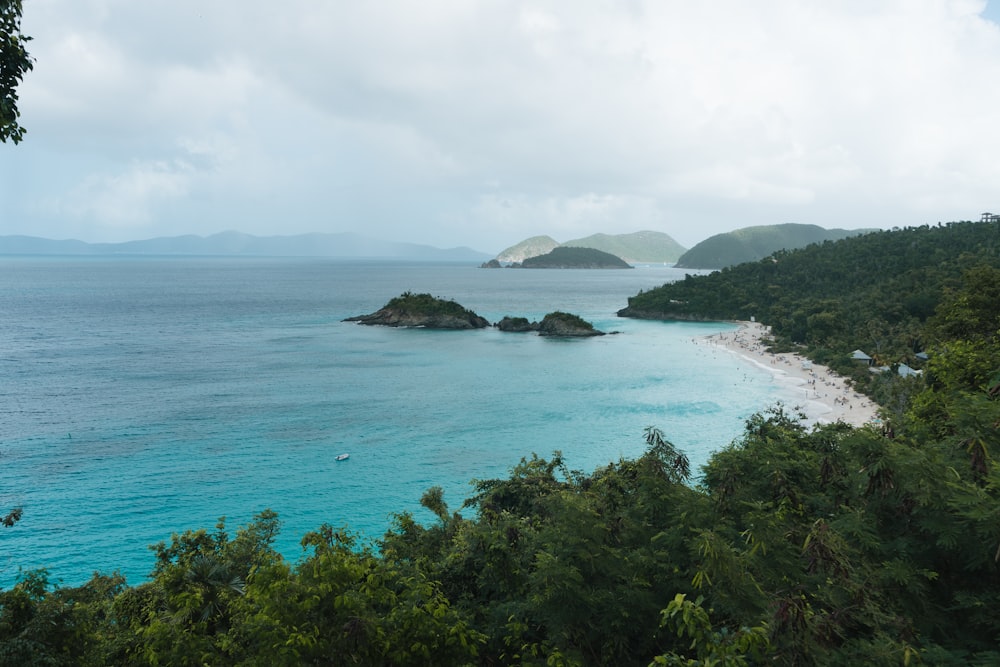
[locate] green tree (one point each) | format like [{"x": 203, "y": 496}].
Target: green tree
[
  {"x": 192, "y": 609},
  {"x": 14, "y": 63},
  {"x": 712, "y": 648},
  {"x": 45, "y": 625},
  {"x": 345, "y": 605}
]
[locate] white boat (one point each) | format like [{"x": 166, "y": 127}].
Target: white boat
[{"x": 342, "y": 457}]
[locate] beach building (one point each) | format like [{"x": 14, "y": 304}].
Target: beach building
[{"x": 858, "y": 355}]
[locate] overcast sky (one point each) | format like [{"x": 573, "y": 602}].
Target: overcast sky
[{"x": 481, "y": 122}]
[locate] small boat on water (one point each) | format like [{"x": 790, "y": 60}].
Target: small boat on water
[{"x": 342, "y": 457}]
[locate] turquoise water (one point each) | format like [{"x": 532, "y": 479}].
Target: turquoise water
[{"x": 142, "y": 397}]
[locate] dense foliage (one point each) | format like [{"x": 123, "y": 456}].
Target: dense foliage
[
  {"x": 875, "y": 292},
  {"x": 793, "y": 546},
  {"x": 14, "y": 64},
  {"x": 425, "y": 304},
  {"x": 422, "y": 310},
  {"x": 750, "y": 244}
]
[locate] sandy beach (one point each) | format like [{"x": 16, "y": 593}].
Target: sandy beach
[{"x": 822, "y": 395}]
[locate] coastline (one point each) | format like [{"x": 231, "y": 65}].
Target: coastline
[{"x": 822, "y": 395}]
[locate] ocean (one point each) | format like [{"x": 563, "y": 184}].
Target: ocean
[{"x": 142, "y": 396}]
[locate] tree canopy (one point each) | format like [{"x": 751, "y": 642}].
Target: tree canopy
[
  {"x": 878, "y": 292},
  {"x": 14, "y": 64}
]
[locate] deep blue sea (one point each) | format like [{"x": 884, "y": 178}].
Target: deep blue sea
[{"x": 145, "y": 396}]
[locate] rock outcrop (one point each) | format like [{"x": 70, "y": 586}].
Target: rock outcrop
[
  {"x": 566, "y": 324},
  {"x": 516, "y": 324}
]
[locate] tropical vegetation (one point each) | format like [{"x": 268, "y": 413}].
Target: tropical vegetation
[
  {"x": 875, "y": 293},
  {"x": 425, "y": 304},
  {"x": 15, "y": 62}
]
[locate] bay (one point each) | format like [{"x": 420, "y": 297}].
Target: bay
[{"x": 145, "y": 396}]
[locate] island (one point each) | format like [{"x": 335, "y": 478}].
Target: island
[
  {"x": 516, "y": 324},
  {"x": 429, "y": 312},
  {"x": 422, "y": 310},
  {"x": 566, "y": 324},
  {"x": 645, "y": 247},
  {"x": 565, "y": 257},
  {"x": 554, "y": 324}
]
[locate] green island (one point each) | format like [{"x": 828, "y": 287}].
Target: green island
[
  {"x": 829, "y": 545},
  {"x": 559, "y": 323},
  {"x": 635, "y": 248},
  {"x": 566, "y": 257},
  {"x": 422, "y": 310}
]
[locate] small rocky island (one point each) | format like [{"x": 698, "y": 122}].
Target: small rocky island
[
  {"x": 566, "y": 324},
  {"x": 553, "y": 324},
  {"x": 422, "y": 310}
]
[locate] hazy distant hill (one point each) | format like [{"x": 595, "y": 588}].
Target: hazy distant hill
[
  {"x": 634, "y": 248},
  {"x": 532, "y": 247},
  {"x": 343, "y": 245},
  {"x": 750, "y": 244}
]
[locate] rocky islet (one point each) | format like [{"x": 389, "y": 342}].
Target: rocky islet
[{"x": 426, "y": 311}]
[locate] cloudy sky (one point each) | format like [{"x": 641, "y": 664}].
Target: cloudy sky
[{"x": 482, "y": 122}]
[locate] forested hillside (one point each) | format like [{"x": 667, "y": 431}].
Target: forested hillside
[
  {"x": 793, "y": 546},
  {"x": 873, "y": 292},
  {"x": 752, "y": 243}
]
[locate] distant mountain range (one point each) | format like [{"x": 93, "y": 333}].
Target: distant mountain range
[
  {"x": 635, "y": 248},
  {"x": 341, "y": 245},
  {"x": 750, "y": 244}
]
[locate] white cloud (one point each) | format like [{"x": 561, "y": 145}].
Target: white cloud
[
  {"x": 565, "y": 218},
  {"x": 126, "y": 199},
  {"x": 416, "y": 121}
]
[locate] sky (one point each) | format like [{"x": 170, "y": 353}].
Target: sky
[{"x": 481, "y": 123}]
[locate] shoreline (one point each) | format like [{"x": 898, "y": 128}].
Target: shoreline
[{"x": 822, "y": 395}]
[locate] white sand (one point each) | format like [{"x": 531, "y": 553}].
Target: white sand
[{"x": 822, "y": 395}]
